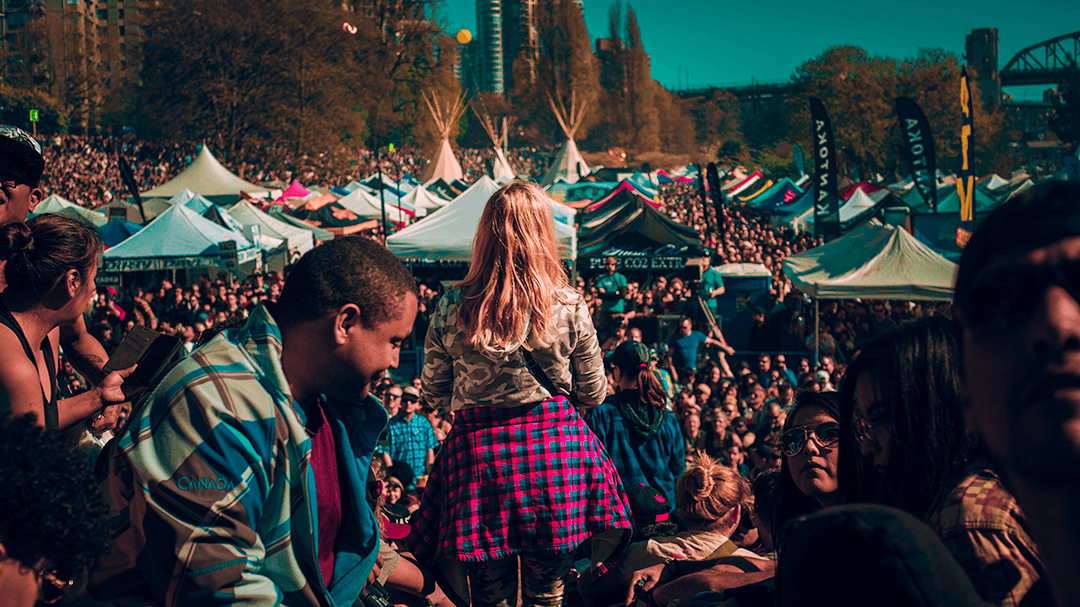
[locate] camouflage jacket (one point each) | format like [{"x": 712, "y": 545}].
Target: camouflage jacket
[{"x": 459, "y": 375}]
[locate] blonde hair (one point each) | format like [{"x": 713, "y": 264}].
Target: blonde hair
[
  {"x": 515, "y": 270},
  {"x": 709, "y": 490}
]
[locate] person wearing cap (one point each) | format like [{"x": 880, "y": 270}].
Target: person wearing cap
[
  {"x": 21, "y": 167},
  {"x": 412, "y": 440},
  {"x": 640, "y": 434},
  {"x": 1017, "y": 301}
]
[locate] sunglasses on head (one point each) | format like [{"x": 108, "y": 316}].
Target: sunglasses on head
[
  {"x": 793, "y": 441},
  {"x": 1004, "y": 300},
  {"x": 12, "y": 175}
]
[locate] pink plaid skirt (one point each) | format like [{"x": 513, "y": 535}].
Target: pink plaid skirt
[{"x": 531, "y": 479}]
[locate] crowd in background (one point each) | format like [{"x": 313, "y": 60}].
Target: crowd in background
[
  {"x": 729, "y": 411},
  {"x": 85, "y": 169}
]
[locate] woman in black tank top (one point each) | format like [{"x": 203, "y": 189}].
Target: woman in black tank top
[{"x": 50, "y": 265}]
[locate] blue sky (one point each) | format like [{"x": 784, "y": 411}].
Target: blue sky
[{"x": 722, "y": 43}]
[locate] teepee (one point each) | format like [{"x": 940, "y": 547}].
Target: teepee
[
  {"x": 501, "y": 169},
  {"x": 568, "y": 165},
  {"x": 443, "y": 164}
]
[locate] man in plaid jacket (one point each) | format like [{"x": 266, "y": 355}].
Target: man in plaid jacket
[{"x": 241, "y": 477}]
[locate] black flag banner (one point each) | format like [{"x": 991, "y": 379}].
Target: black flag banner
[
  {"x": 129, "y": 180},
  {"x": 918, "y": 149},
  {"x": 712, "y": 175},
  {"x": 826, "y": 202}
]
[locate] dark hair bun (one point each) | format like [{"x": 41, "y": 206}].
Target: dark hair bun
[{"x": 15, "y": 238}]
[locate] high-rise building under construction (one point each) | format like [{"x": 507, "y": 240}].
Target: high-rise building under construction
[{"x": 505, "y": 30}]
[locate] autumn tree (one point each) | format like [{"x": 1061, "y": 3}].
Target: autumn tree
[
  {"x": 641, "y": 95},
  {"x": 676, "y": 128},
  {"x": 859, "y": 91},
  {"x": 1066, "y": 120},
  {"x": 319, "y": 74},
  {"x": 716, "y": 122},
  {"x": 565, "y": 67},
  {"x": 615, "y": 128}
]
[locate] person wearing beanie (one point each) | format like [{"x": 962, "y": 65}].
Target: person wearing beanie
[
  {"x": 640, "y": 434},
  {"x": 1018, "y": 307}
]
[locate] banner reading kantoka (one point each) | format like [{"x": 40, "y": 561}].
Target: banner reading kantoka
[
  {"x": 826, "y": 201},
  {"x": 918, "y": 149}
]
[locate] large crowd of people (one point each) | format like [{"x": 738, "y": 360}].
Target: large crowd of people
[
  {"x": 85, "y": 169},
  {"x": 552, "y": 451}
]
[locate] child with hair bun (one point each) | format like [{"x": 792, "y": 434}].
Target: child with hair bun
[{"x": 711, "y": 500}]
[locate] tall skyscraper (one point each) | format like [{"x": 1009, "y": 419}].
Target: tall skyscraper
[
  {"x": 505, "y": 28},
  {"x": 489, "y": 39}
]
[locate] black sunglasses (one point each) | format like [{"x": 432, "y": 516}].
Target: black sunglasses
[
  {"x": 793, "y": 441},
  {"x": 1004, "y": 301}
]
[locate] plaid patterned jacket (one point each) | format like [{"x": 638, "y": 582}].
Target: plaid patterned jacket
[
  {"x": 460, "y": 376},
  {"x": 214, "y": 492},
  {"x": 982, "y": 525}
]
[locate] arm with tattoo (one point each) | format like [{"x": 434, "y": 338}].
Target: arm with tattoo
[{"x": 83, "y": 351}]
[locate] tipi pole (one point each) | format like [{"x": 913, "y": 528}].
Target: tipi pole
[{"x": 382, "y": 192}]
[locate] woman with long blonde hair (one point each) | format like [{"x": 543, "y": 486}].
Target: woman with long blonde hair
[{"x": 520, "y": 474}]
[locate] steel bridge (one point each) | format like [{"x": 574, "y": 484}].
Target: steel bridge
[{"x": 1043, "y": 63}]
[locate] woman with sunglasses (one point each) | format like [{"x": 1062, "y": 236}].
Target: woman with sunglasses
[
  {"x": 808, "y": 445},
  {"x": 904, "y": 443}
]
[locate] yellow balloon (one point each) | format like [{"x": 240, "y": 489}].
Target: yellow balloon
[{"x": 464, "y": 36}]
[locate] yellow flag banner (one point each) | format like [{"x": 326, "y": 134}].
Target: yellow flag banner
[{"x": 965, "y": 175}]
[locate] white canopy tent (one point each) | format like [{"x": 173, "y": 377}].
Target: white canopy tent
[
  {"x": 366, "y": 206},
  {"x": 449, "y": 233},
  {"x": 205, "y": 176},
  {"x": 62, "y": 206},
  {"x": 423, "y": 201},
  {"x": 860, "y": 202},
  {"x": 873, "y": 261},
  {"x": 299, "y": 240}
]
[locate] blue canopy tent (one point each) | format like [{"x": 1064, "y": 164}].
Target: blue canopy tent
[
  {"x": 118, "y": 230},
  {"x": 781, "y": 193}
]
